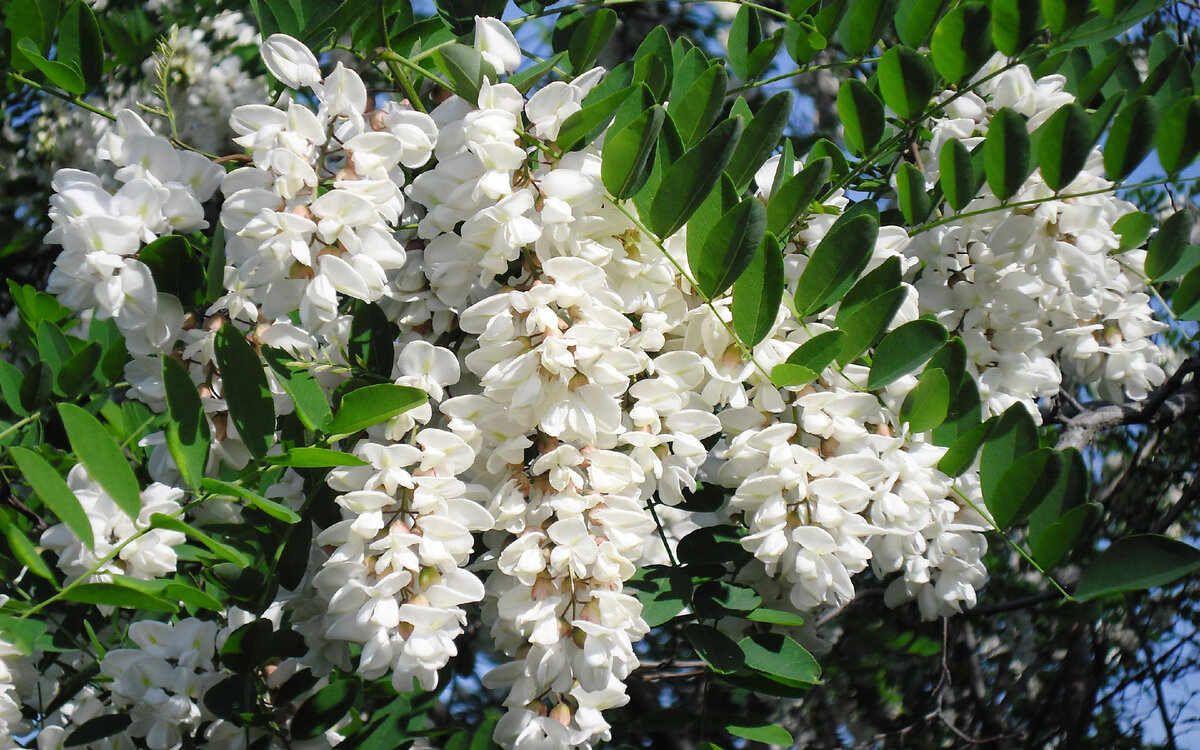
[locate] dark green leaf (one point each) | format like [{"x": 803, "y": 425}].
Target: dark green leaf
[
  {"x": 957, "y": 174},
  {"x": 465, "y": 70},
  {"x": 1095, "y": 78},
  {"x": 769, "y": 734},
  {"x": 102, "y": 457},
  {"x": 775, "y": 617},
  {"x": 245, "y": 390},
  {"x": 306, "y": 393},
  {"x": 926, "y": 405},
  {"x": 159, "y": 521},
  {"x": 795, "y": 195},
  {"x": 1130, "y": 138},
  {"x": 664, "y": 592},
  {"x": 270, "y": 507},
  {"x": 690, "y": 179},
  {"x": 117, "y": 595},
  {"x": 962, "y": 41},
  {"x": 1014, "y": 24},
  {"x": 1006, "y": 153},
  {"x": 79, "y": 43},
  {"x": 1013, "y": 435},
  {"x": 838, "y": 260},
  {"x": 729, "y": 248},
  {"x": 98, "y": 728},
  {"x": 864, "y": 23},
  {"x": 883, "y": 278},
  {"x": 916, "y": 18},
  {"x": 867, "y": 323},
  {"x": 53, "y": 491},
  {"x": 962, "y": 453},
  {"x": 187, "y": 428},
  {"x": 325, "y": 709},
  {"x": 628, "y": 152},
  {"x": 175, "y": 268},
  {"x": 589, "y": 38},
  {"x": 812, "y": 357},
  {"x": 749, "y": 51},
  {"x": 862, "y": 115},
  {"x": 757, "y": 294},
  {"x": 524, "y": 80},
  {"x": 717, "y": 650},
  {"x": 584, "y": 126},
  {"x": 62, "y": 75},
  {"x": 1185, "y": 302},
  {"x": 78, "y": 369},
  {"x": 906, "y": 80},
  {"x": 25, "y": 551},
  {"x": 372, "y": 339},
  {"x": 1134, "y": 228},
  {"x": 719, "y": 598},
  {"x": 1168, "y": 256},
  {"x": 914, "y": 200},
  {"x": 1179, "y": 135},
  {"x": 1135, "y": 563},
  {"x": 314, "y": 458},
  {"x": 777, "y": 655},
  {"x": 697, "y": 109},
  {"x": 903, "y": 350},
  {"x": 373, "y": 404},
  {"x": 1064, "y": 142},
  {"x": 1023, "y": 486},
  {"x": 759, "y": 139},
  {"x": 1059, "y": 538}
]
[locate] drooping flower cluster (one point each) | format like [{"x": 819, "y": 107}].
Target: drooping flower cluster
[{"x": 580, "y": 386}]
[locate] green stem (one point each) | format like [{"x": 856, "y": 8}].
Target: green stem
[
  {"x": 72, "y": 98},
  {"x": 806, "y": 69},
  {"x": 19, "y": 424}
]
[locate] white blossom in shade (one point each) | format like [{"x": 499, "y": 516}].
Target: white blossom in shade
[
  {"x": 497, "y": 44},
  {"x": 290, "y": 61},
  {"x": 150, "y": 555},
  {"x": 12, "y": 723}
]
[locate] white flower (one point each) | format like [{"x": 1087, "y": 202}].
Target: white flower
[
  {"x": 497, "y": 44},
  {"x": 290, "y": 61}
]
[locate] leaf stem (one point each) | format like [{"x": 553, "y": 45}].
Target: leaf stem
[{"x": 72, "y": 98}]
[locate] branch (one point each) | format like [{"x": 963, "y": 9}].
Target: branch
[{"x": 1170, "y": 401}]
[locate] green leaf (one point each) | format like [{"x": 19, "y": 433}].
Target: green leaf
[
  {"x": 175, "y": 268},
  {"x": 957, "y": 174},
  {"x": 664, "y": 592},
  {"x": 270, "y": 507},
  {"x": 1094, "y": 79},
  {"x": 961, "y": 454},
  {"x": 1179, "y": 135},
  {"x": 10, "y": 387},
  {"x": 25, "y": 552},
  {"x": 729, "y": 248},
  {"x": 1168, "y": 256},
  {"x": 117, "y": 595},
  {"x": 584, "y": 126},
  {"x": 916, "y": 18},
  {"x": 691, "y": 178},
  {"x": 102, "y": 457},
  {"x": 1064, "y": 142},
  {"x": 914, "y": 200},
  {"x": 775, "y": 617},
  {"x": 53, "y": 491},
  {"x": 245, "y": 390},
  {"x": 1006, "y": 153},
  {"x": 759, "y": 139},
  {"x": 1135, "y": 563},
  {"x": 465, "y": 69},
  {"x": 696, "y": 110},
  {"x": 78, "y": 370},
  {"x": 79, "y": 43},
  {"x": 867, "y": 323},
  {"x": 965, "y": 412},
  {"x": 306, "y": 393},
  {"x": 926, "y": 405},
  {"x": 218, "y": 548},
  {"x": 1014, "y": 24},
  {"x": 21, "y": 633},
  {"x": 364, "y": 407},
  {"x": 1024, "y": 485},
  {"x": 784, "y": 375},
  {"x": 1012, "y": 435},
  {"x": 372, "y": 339},
  {"x": 777, "y": 655},
  {"x": 811, "y": 358},
  {"x": 590, "y": 37},
  {"x": 98, "y": 728},
  {"x": 903, "y": 350},
  {"x": 883, "y": 278},
  {"x": 66, "y": 77},
  {"x": 1186, "y": 299},
  {"x": 305, "y": 457},
  {"x": 757, "y": 294},
  {"x": 1058, "y": 539},
  {"x": 838, "y": 260},
  {"x": 769, "y": 734},
  {"x": 862, "y": 115},
  {"x": 187, "y": 428},
  {"x": 524, "y": 80},
  {"x": 795, "y": 195},
  {"x": 720, "y": 598},
  {"x": 906, "y": 80},
  {"x": 749, "y": 52},
  {"x": 627, "y": 154},
  {"x": 717, "y": 650},
  {"x": 1130, "y": 138},
  {"x": 864, "y": 23},
  {"x": 1134, "y": 228},
  {"x": 325, "y": 709},
  {"x": 962, "y": 41}
]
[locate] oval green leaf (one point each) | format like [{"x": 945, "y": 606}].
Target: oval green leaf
[
  {"x": 364, "y": 407},
  {"x": 187, "y": 428},
  {"x": 103, "y": 458},
  {"x": 1006, "y": 153},
  {"x": 627, "y": 154},
  {"x": 53, "y": 491},
  {"x": 837, "y": 261},
  {"x": 1136, "y": 563},
  {"x": 729, "y": 248},
  {"x": 245, "y": 390},
  {"x": 903, "y": 350},
  {"x": 757, "y": 294},
  {"x": 862, "y": 115},
  {"x": 906, "y": 80}
]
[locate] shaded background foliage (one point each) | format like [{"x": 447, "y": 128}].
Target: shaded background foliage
[{"x": 1021, "y": 670}]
